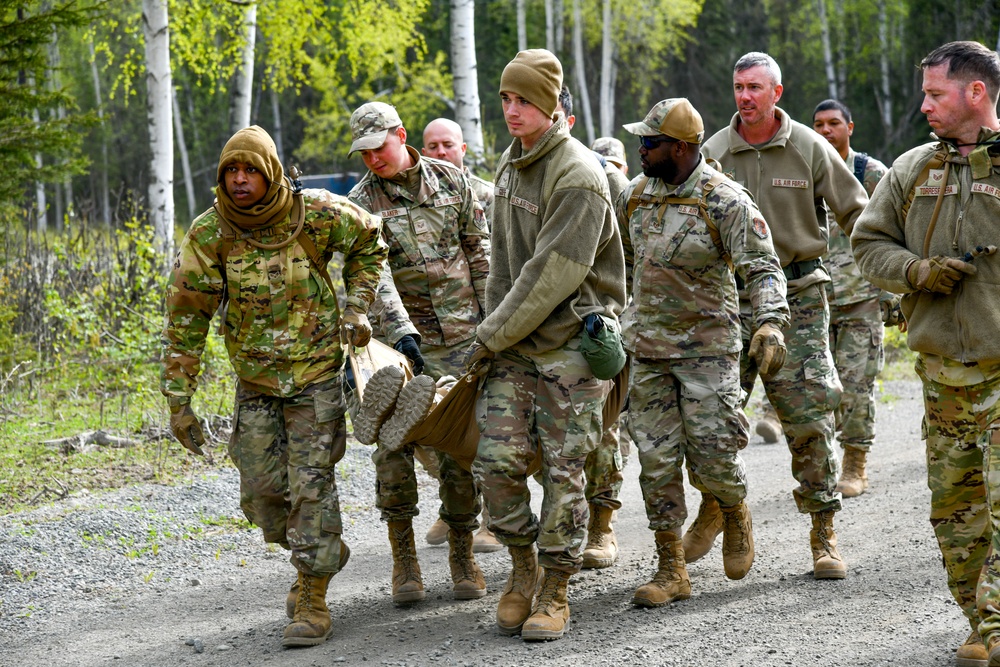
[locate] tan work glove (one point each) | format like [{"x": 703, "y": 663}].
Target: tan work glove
[
  {"x": 892, "y": 314},
  {"x": 186, "y": 427},
  {"x": 355, "y": 328},
  {"x": 478, "y": 358},
  {"x": 767, "y": 349},
  {"x": 938, "y": 274}
]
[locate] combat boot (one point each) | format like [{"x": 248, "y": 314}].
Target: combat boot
[
  {"x": 602, "y": 545},
  {"x": 973, "y": 652},
  {"x": 737, "y": 540},
  {"x": 514, "y": 606},
  {"x": 550, "y": 615},
  {"x": 827, "y": 563},
  {"x": 414, "y": 402},
  {"x": 468, "y": 579},
  {"x": 854, "y": 479},
  {"x": 769, "y": 429},
  {"x": 379, "y": 400},
  {"x": 701, "y": 534},
  {"x": 671, "y": 580},
  {"x": 407, "y": 585},
  {"x": 485, "y": 541},
  {"x": 311, "y": 624},
  {"x": 437, "y": 533},
  {"x": 293, "y": 593}
]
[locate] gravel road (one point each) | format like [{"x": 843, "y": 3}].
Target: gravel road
[{"x": 155, "y": 575}]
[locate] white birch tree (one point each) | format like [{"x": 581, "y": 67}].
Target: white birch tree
[
  {"x": 465, "y": 77},
  {"x": 606, "y": 100},
  {"x": 103, "y": 194},
  {"x": 522, "y": 26},
  {"x": 241, "y": 93},
  {"x": 824, "y": 33},
  {"x": 159, "y": 85},
  {"x": 550, "y": 26},
  {"x": 182, "y": 149},
  {"x": 581, "y": 75}
]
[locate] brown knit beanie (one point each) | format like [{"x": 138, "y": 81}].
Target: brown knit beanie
[
  {"x": 536, "y": 75},
  {"x": 254, "y": 146}
]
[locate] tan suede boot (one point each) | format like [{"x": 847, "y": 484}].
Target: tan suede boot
[
  {"x": 407, "y": 585},
  {"x": 737, "y": 540},
  {"x": 485, "y": 541},
  {"x": 514, "y": 606},
  {"x": 602, "y": 545},
  {"x": 381, "y": 393},
  {"x": 293, "y": 593},
  {"x": 827, "y": 563},
  {"x": 671, "y": 580},
  {"x": 973, "y": 652},
  {"x": 311, "y": 623},
  {"x": 701, "y": 534},
  {"x": 468, "y": 579},
  {"x": 853, "y": 478},
  {"x": 550, "y": 615},
  {"x": 437, "y": 533}
]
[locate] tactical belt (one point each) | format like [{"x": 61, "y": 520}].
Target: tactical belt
[{"x": 799, "y": 269}]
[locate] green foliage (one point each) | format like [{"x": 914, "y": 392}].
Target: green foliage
[{"x": 30, "y": 122}]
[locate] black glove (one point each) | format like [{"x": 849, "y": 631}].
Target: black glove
[{"x": 409, "y": 346}]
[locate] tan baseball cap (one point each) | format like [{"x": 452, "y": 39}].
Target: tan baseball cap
[
  {"x": 675, "y": 118},
  {"x": 612, "y": 150},
  {"x": 370, "y": 123}
]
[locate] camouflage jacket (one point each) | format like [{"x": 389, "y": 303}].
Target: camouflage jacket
[
  {"x": 684, "y": 298},
  {"x": 281, "y": 322},
  {"x": 439, "y": 249},
  {"x": 848, "y": 286},
  {"x": 483, "y": 190}
]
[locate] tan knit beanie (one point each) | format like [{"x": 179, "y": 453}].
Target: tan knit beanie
[
  {"x": 254, "y": 146},
  {"x": 536, "y": 75}
]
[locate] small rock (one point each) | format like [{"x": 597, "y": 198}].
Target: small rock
[{"x": 223, "y": 647}]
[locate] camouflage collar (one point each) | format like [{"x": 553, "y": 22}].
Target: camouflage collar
[{"x": 428, "y": 182}]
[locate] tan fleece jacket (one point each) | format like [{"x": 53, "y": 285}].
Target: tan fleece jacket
[
  {"x": 789, "y": 177},
  {"x": 963, "y": 325},
  {"x": 557, "y": 253}
]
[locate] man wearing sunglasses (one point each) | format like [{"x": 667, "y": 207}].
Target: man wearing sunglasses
[
  {"x": 789, "y": 169},
  {"x": 685, "y": 229}
]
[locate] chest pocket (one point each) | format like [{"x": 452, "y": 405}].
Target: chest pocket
[{"x": 404, "y": 249}]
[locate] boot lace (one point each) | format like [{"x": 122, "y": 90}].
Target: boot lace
[
  {"x": 406, "y": 557},
  {"x": 303, "y": 603},
  {"x": 670, "y": 563},
  {"x": 734, "y": 530},
  {"x": 461, "y": 558},
  {"x": 821, "y": 532},
  {"x": 550, "y": 587}
]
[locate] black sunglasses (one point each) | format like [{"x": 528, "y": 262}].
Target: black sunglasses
[{"x": 649, "y": 143}]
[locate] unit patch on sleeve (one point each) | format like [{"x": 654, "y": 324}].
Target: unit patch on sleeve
[{"x": 759, "y": 227}]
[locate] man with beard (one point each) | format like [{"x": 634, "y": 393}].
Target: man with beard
[{"x": 685, "y": 229}]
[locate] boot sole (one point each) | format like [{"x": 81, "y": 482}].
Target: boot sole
[
  {"x": 485, "y": 548},
  {"x": 406, "y": 598},
  {"x": 296, "y": 642},
  {"x": 829, "y": 574},
  {"x": 412, "y": 405},
  {"x": 646, "y": 602},
  {"x": 470, "y": 595},
  {"x": 510, "y": 632},
  {"x": 541, "y": 635},
  {"x": 380, "y": 398},
  {"x": 597, "y": 563}
]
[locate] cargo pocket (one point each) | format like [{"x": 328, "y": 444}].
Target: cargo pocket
[
  {"x": 822, "y": 385},
  {"x": 328, "y": 405},
  {"x": 585, "y": 425}
]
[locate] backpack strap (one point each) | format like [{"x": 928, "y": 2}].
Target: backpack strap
[{"x": 860, "y": 166}]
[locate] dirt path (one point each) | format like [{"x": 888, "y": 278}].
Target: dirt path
[{"x": 894, "y": 607}]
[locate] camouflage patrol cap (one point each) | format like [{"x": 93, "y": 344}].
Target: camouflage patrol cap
[
  {"x": 675, "y": 118},
  {"x": 612, "y": 150},
  {"x": 370, "y": 123}
]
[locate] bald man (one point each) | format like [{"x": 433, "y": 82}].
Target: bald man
[{"x": 443, "y": 140}]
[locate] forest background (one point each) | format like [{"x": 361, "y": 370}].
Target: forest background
[{"x": 113, "y": 114}]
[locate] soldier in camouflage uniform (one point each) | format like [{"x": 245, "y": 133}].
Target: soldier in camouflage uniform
[
  {"x": 439, "y": 257},
  {"x": 557, "y": 261},
  {"x": 613, "y": 151},
  {"x": 858, "y": 312},
  {"x": 283, "y": 331},
  {"x": 788, "y": 168},
  {"x": 938, "y": 202},
  {"x": 681, "y": 223},
  {"x": 443, "y": 140},
  {"x": 605, "y": 465}
]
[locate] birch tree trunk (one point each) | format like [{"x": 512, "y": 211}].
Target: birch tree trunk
[
  {"x": 885, "y": 103},
  {"x": 581, "y": 75},
  {"x": 41, "y": 205},
  {"x": 841, "y": 62},
  {"x": 276, "y": 132},
  {"x": 522, "y": 27},
  {"x": 64, "y": 190},
  {"x": 607, "y": 99},
  {"x": 560, "y": 26},
  {"x": 465, "y": 78},
  {"x": 105, "y": 199},
  {"x": 550, "y": 26},
  {"x": 182, "y": 149},
  {"x": 158, "y": 112},
  {"x": 824, "y": 31},
  {"x": 241, "y": 94}
]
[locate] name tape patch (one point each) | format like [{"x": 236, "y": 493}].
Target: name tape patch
[
  {"x": 789, "y": 183},
  {"x": 935, "y": 190},
  {"x": 392, "y": 212},
  {"x": 688, "y": 210},
  {"x": 986, "y": 189},
  {"x": 447, "y": 201},
  {"x": 525, "y": 204}
]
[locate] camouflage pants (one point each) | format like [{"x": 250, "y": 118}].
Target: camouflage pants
[
  {"x": 604, "y": 466},
  {"x": 396, "y": 479},
  {"x": 856, "y": 334},
  {"x": 286, "y": 450},
  {"x": 687, "y": 410},
  {"x": 552, "y": 402},
  {"x": 953, "y": 429},
  {"x": 804, "y": 393}
]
